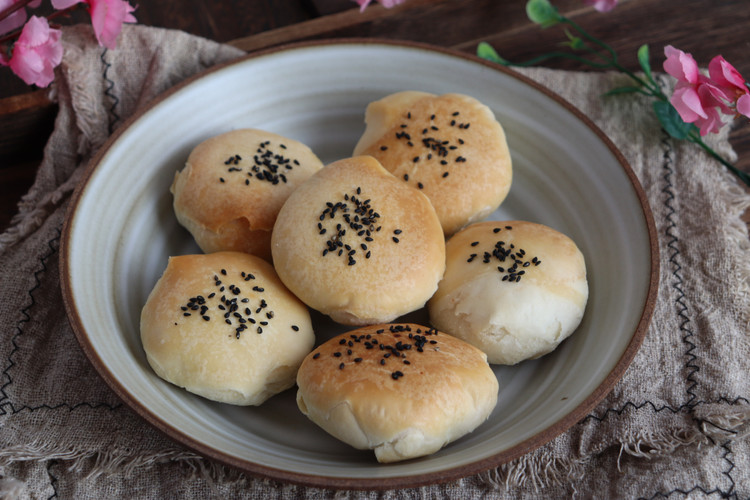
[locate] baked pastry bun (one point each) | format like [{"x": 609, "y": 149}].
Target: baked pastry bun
[
  {"x": 402, "y": 390},
  {"x": 514, "y": 289},
  {"x": 234, "y": 184},
  {"x": 450, "y": 147},
  {"x": 357, "y": 244},
  {"x": 223, "y": 326}
]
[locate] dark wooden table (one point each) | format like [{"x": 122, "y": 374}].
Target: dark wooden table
[{"x": 704, "y": 28}]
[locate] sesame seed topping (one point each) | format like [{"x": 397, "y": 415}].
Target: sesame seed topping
[
  {"x": 228, "y": 307},
  {"x": 514, "y": 259}
]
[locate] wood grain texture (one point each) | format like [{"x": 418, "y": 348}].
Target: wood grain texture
[{"x": 704, "y": 28}]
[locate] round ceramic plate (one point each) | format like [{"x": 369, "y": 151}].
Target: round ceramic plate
[{"x": 121, "y": 229}]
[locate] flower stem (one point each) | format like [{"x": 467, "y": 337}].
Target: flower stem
[
  {"x": 562, "y": 55},
  {"x": 614, "y": 61},
  {"x": 743, "y": 176}
]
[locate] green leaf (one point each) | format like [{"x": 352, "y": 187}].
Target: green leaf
[
  {"x": 671, "y": 121},
  {"x": 486, "y": 51},
  {"x": 574, "y": 42},
  {"x": 644, "y": 60},
  {"x": 542, "y": 12}
]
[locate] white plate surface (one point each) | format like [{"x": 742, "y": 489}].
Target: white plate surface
[{"x": 121, "y": 229}]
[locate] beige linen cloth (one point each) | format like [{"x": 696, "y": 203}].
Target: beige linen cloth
[{"x": 675, "y": 426}]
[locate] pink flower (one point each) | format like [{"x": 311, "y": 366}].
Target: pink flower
[
  {"x": 698, "y": 98},
  {"x": 36, "y": 53},
  {"x": 730, "y": 83},
  {"x": 107, "y": 17},
  {"x": 681, "y": 65},
  {"x": 15, "y": 19},
  {"x": 386, "y": 3},
  {"x": 602, "y": 5},
  {"x": 694, "y": 96}
]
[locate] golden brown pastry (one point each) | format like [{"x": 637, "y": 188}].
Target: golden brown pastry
[
  {"x": 514, "y": 289},
  {"x": 359, "y": 245},
  {"x": 402, "y": 390},
  {"x": 450, "y": 147},
  {"x": 234, "y": 184},
  {"x": 223, "y": 326}
]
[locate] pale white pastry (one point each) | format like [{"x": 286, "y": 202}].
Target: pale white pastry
[
  {"x": 402, "y": 390},
  {"x": 450, "y": 147},
  {"x": 233, "y": 185},
  {"x": 514, "y": 289},
  {"x": 223, "y": 326},
  {"x": 357, "y": 244}
]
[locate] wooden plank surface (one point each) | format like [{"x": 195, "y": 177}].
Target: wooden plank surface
[{"x": 703, "y": 27}]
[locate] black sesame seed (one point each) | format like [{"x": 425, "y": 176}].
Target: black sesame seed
[
  {"x": 295, "y": 328},
  {"x": 316, "y": 355}
]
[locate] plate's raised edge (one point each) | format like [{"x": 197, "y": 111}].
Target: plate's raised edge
[{"x": 375, "y": 483}]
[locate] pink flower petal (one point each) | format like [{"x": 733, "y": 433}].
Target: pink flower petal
[
  {"x": 37, "y": 52},
  {"x": 390, "y": 3},
  {"x": 711, "y": 124},
  {"x": 386, "y": 3},
  {"x": 725, "y": 74},
  {"x": 13, "y": 21},
  {"x": 107, "y": 18},
  {"x": 602, "y": 5},
  {"x": 64, "y": 4},
  {"x": 743, "y": 105},
  {"x": 680, "y": 65},
  {"x": 712, "y": 96},
  {"x": 688, "y": 104}
]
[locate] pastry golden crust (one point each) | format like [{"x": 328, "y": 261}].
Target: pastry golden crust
[
  {"x": 233, "y": 185},
  {"x": 355, "y": 243},
  {"x": 402, "y": 390},
  {"x": 514, "y": 289},
  {"x": 450, "y": 147},
  {"x": 223, "y": 326}
]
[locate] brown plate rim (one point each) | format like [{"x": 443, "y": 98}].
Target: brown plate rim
[{"x": 378, "y": 483}]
